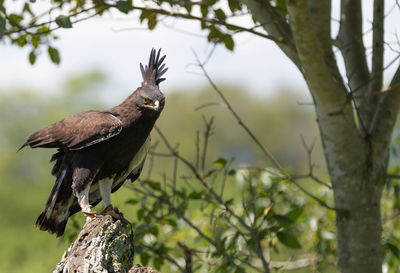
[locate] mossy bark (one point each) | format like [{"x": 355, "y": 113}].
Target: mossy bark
[{"x": 103, "y": 246}]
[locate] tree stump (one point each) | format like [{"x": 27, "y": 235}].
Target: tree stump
[{"x": 102, "y": 246}]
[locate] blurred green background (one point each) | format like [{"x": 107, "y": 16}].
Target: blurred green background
[
  {"x": 25, "y": 179},
  {"x": 278, "y": 121}
]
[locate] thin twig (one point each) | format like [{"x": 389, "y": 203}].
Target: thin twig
[
  {"x": 207, "y": 134},
  {"x": 166, "y": 256},
  {"x": 268, "y": 154},
  {"x": 201, "y": 179}
]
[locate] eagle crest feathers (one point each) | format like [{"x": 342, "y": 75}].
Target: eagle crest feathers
[{"x": 153, "y": 71}]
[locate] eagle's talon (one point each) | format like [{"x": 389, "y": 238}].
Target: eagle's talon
[
  {"x": 109, "y": 210},
  {"x": 90, "y": 215}
]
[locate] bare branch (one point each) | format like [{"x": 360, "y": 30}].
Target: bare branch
[
  {"x": 268, "y": 154},
  {"x": 377, "y": 47},
  {"x": 351, "y": 44},
  {"x": 207, "y": 20},
  {"x": 200, "y": 178},
  {"x": 386, "y": 113},
  {"x": 165, "y": 256},
  {"x": 321, "y": 16},
  {"x": 207, "y": 133}
]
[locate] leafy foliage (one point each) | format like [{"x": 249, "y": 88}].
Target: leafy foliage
[
  {"x": 30, "y": 28},
  {"x": 195, "y": 222}
]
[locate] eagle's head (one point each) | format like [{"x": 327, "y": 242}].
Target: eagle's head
[{"x": 150, "y": 100}]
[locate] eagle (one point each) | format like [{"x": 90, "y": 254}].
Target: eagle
[{"x": 98, "y": 150}]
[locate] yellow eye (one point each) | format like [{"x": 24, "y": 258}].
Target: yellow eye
[
  {"x": 162, "y": 102},
  {"x": 145, "y": 100}
]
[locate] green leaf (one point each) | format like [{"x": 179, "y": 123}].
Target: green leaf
[
  {"x": 131, "y": 201},
  {"x": 394, "y": 249},
  {"x": 196, "y": 195},
  {"x": 153, "y": 230},
  {"x": 234, "y": 5},
  {"x": 140, "y": 213},
  {"x": 144, "y": 258},
  {"x": 63, "y": 21},
  {"x": 43, "y": 30},
  {"x": 15, "y": 19},
  {"x": 281, "y": 7},
  {"x": 27, "y": 8},
  {"x": 283, "y": 220},
  {"x": 168, "y": 221},
  {"x": 153, "y": 185},
  {"x": 152, "y": 20},
  {"x": 220, "y": 14},
  {"x": 54, "y": 55},
  {"x": 220, "y": 162},
  {"x": 204, "y": 10},
  {"x": 229, "y": 43},
  {"x": 209, "y": 173},
  {"x": 232, "y": 172},
  {"x": 21, "y": 41},
  {"x": 35, "y": 39},
  {"x": 158, "y": 263},
  {"x": 288, "y": 240},
  {"x": 294, "y": 214},
  {"x": 2, "y": 21},
  {"x": 32, "y": 57},
  {"x": 124, "y": 6}
]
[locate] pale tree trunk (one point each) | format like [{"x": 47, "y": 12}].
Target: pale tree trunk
[{"x": 356, "y": 146}]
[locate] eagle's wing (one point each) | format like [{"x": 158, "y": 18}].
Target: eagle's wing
[{"x": 77, "y": 131}]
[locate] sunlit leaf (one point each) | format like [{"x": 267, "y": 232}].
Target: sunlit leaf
[
  {"x": 15, "y": 19},
  {"x": 220, "y": 162},
  {"x": 294, "y": 214},
  {"x": 267, "y": 209}
]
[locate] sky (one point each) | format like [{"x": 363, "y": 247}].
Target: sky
[{"x": 116, "y": 44}]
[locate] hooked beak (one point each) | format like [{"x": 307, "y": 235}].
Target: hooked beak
[{"x": 155, "y": 107}]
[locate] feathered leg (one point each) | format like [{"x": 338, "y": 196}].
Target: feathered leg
[
  {"x": 105, "y": 192},
  {"x": 82, "y": 180}
]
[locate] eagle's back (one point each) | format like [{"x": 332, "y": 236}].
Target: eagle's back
[{"x": 113, "y": 159}]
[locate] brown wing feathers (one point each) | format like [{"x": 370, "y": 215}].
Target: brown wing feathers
[{"x": 76, "y": 131}]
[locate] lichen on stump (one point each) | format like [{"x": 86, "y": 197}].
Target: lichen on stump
[
  {"x": 141, "y": 269},
  {"x": 102, "y": 246}
]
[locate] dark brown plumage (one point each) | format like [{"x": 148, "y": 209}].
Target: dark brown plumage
[{"x": 99, "y": 150}]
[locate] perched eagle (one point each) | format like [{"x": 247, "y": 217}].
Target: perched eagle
[{"x": 99, "y": 150}]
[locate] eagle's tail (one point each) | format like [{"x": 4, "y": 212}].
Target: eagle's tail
[{"x": 55, "y": 215}]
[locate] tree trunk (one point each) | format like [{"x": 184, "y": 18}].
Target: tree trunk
[
  {"x": 358, "y": 182},
  {"x": 359, "y": 228},
  {"x": 102, "y": 246}
]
